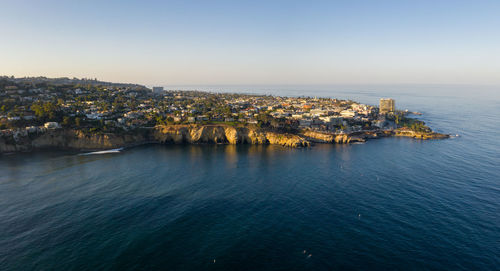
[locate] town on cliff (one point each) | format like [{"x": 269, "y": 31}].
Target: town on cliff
[{"x": 87, "y": 114}]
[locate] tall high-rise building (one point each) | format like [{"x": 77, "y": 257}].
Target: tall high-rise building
[
  {"x": 158, "y": 90},
  {"x": 387, "y": 105}
]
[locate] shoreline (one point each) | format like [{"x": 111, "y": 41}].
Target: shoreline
[{"x": 77, "y": 140}]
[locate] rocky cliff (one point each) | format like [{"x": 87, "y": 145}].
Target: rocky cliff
[
  {"x": 185, "y": 134},
  {"x": 419, "y": 135},
  {"x": 223, "y": 134},
  {"x": 336, "y": 138},
  {"x": 67, "y": 139},
  {"x": 176, "y": 134}
]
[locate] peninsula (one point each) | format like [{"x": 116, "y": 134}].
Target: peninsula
[{"x": 87, "y": 114}]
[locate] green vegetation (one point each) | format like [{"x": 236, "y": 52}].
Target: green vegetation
[
  {"x": 100, "y": 107},
  {"x": 410, "y": 123}
]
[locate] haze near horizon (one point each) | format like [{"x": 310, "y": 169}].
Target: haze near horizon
[{"x": 254, "y": 42}]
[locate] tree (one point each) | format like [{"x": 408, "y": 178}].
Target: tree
[
  {"x": 66, "y": 121},
  {"x": 170, "y": 120},
  {"x": 49, "y": 110},
  {"x": 38, "y": 109},
  {"x": 159, "y": 120}
]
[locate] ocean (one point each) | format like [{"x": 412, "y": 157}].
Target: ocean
[{"x": 388, "y": 204}]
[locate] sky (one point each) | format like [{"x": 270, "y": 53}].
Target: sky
[{"x": 254, "y": 42}]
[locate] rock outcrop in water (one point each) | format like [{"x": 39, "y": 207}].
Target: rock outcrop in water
[
  {"x": 336, "y": 138},
  {"x": 419, "y": 135}
]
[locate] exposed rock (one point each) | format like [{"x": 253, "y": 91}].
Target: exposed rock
[
  {"x": 419, "y": 135},
  {"x": 223, "y": 134},
  {"x": 176, "y": 134},
  {"x": 335, "y": 138},
  {"x": 319, "y": 137},
  {"x": 288, "y": 140},
  {"x": 187, "y": 134},
  {"x": 70, "y": 139}
]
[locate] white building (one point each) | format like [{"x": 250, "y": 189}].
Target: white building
[
  {"x": 348, "y": 113},
  {"x": 94, "y": 116},
  {"x": 52, "y": 125},
  {"x": 333, "y": 120}
]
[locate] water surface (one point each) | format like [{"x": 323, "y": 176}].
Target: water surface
[{"x": 392, "y": 203}]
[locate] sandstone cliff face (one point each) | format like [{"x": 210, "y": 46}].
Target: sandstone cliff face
[
  {"x": 420, "y": 135},
  {"x": 223, "y": 134},
  {"x": 176, "y": 134},
  {"x": 69, "y": 139},
  {"x": 287, "y": 140},
  {"x": 334, "y": 138},
  {"x": 188, "y": 134},
  {"x": 319, "y": 137},
  {"x": 9, "y": 147}
]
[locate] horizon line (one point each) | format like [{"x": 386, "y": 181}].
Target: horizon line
[{"x": 265, "y": 84}]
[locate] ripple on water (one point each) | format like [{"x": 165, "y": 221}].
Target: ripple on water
[{"x": 387, "y": 204}]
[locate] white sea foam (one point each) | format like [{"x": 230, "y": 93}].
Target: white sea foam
[{"x": 103, "y": 152}]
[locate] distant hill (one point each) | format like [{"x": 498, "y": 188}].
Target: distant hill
[{"x": 41, "y": 80}]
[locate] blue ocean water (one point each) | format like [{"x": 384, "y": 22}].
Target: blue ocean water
[{"x": 392, "y": 203}]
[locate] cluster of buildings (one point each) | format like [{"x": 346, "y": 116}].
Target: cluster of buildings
[{"x": 49, "y": 104}]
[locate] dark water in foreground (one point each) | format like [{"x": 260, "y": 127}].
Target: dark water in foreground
[{"x": 393, "y": 203}]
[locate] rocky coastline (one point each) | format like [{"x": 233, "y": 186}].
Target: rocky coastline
[{"x": 70, "y": 139}]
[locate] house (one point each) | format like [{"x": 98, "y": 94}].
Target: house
[
  {"x": 348, "y": 113},
  {"x": 28, "y": 116},
  {"x": 52, "y": 125},
  {"x": 332, "y": 120},
  {"x": 32, "y": 129},
  {"x": 94, "y": 116},
  {"x": 305, "y": 122},
  {"x": 201, "y": 118},
  {"x": 318, "y": 112}
]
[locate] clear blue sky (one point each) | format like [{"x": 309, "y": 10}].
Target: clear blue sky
[{"x": 254, "y": 42}]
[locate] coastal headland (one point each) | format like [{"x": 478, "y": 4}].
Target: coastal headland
[
  {"x": 86, "y": 114},
  {"x": 70, "y": 139}
]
